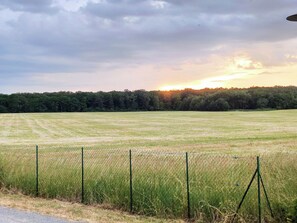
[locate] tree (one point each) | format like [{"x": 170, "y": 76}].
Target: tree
[
  {"x": 3, "y": 109},
  {"x": 197, "y": 104},
  {"x": 262, "y": 103},
  {"x": 197, "y": 100},
  {"x": 176, "y": 102},
  {"x": 142, "y": 99},
  {"x": 108, "y": 102},
  {"x": 219, "y": 105}
]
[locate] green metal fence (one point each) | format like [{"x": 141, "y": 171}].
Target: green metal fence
[{"x": 206, "y": 187}]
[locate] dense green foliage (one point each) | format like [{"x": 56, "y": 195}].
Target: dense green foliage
[{"x": 219, "y": 99}]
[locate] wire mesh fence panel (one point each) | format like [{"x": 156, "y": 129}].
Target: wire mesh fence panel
[
  {"x": 279, "y": 174},
  {"x": 217, "y": 184},
  {"x": 17, "y": 170},
  {"x": 159, "y": 180},
  {"x": 159, "y": 183},
  {"x": 60, "y": 173},
  {"x": 107, "y": 177}
]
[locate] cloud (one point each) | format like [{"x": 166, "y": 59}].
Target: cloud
[
  {"x": 96, "y": 36},
  {"x": 120, "y": 9},
  {"x": 34, "y": 6}
]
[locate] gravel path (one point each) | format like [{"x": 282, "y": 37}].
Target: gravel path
[{"x": 10, "y": 215}]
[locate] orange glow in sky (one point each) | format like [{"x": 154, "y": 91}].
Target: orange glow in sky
[
  {"x": 238, "y": 68},
  {"x": 242, "y": 71}
]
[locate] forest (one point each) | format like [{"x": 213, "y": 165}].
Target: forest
[{"x": 219, "y": 99}]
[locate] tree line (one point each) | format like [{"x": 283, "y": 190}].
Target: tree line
[{"x": 219, "y": 99}]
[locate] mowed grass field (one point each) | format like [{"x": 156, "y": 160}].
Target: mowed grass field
[
  {"x": 222, "y": 149},
  {"x": 220, "y": 132}
]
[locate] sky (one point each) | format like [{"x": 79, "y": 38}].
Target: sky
[{"x": 105, "y": 45}]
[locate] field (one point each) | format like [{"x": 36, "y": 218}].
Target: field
[
  {"x": 229, "y": 132},
  {"x": 222, "y": 148}
]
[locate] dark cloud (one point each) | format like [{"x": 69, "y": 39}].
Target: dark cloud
[{"x": 34, "y": 6}]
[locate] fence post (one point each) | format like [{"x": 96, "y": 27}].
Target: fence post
[
  {"x": 259, "y": 189},
  {"x": 36, "y": 172},
  {"x": 82, "y": 176},
  {"x": 131, "y": 189},
  {"x": 188, "y": 185}
]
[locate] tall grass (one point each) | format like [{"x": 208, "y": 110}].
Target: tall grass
[{"x": 217, "y": 182}]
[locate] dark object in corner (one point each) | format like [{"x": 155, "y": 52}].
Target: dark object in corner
[{"x": 292, "y": 18}]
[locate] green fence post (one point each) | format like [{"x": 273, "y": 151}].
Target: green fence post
[
  {"x": 188, "y": 185},
  {"x": 36, "y": 172},
  {"x": 131, "y": 189},
  {"x": 82, "y": 176},
  {"x": 259, "y": 189}
]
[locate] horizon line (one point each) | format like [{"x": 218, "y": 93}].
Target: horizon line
[{"x": 171, "y": 90}]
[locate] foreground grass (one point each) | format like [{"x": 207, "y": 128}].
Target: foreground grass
[
  {"x": 73, "y": 211},
  {"x": 217, "y": 182}
]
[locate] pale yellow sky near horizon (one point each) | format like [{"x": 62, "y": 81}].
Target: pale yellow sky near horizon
[{"x": 242, "y": 72}]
